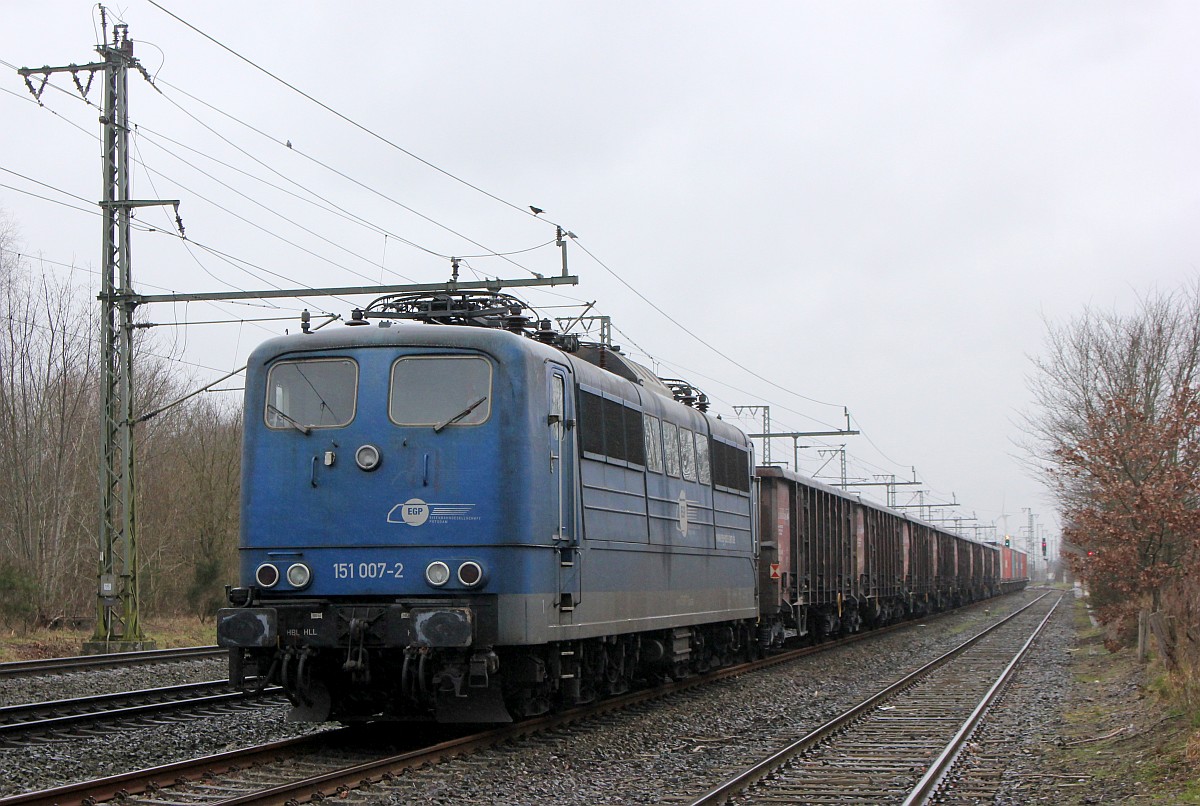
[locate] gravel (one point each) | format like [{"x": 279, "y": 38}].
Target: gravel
[
  {"x": 65, "y": 685},
  {"x": 49, "y": 761},
  {"x": 1002, "y": 763},
  {"x": 670, "y": 750},
  {"x": 678, "y": 748}
]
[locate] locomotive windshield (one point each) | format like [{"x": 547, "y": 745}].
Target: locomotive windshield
[
  {"x": 316, "y": 393},
  {"x": 440, "y": 391}
]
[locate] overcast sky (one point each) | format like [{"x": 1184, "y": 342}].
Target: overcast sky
[{"x": 872, "y": 205}]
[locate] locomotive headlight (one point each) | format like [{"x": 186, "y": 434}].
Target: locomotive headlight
[
  {"x": 368, "y": 457},
  {"x": 299, "y": 575},
  {"x": 437, "y": 573},
  {"x": 470, "y": 573},
  {"x": 267, "y": 575}
]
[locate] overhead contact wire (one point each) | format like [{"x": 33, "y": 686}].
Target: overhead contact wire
[
  {"x": 145, "y": 228},
  {"x": 695, "y": 336},
  {"x": 490, "y": 252},
  {"x": 341, "y": 116}
]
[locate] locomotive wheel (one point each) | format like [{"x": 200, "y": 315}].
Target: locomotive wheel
[
  {"x": 315, "y": 705},
  {"x": 701, "y": 654},
  {"x": 615, "y": 677}
]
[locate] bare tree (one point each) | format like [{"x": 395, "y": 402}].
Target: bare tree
[
  {"x": 188, "y": 460},
  {"x": 1139, "y": 520},
  {"x": 190, "y": 488},
  {"x": 1097, "y": 357},
  {"x": 47, "y": 436},
  {"x": 1115, "y": 432}
]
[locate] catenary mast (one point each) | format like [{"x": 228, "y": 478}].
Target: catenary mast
[{"x": 117, "y": 624}]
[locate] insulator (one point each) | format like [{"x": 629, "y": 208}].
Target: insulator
[{"x": 683, "y": 392}]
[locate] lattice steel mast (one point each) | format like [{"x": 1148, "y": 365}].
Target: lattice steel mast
[{"x": 117, "y": 624}]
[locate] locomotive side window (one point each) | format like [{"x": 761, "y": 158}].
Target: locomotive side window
[
  {"x": 635, "y": 445},
  {"x": 703, "y": 471},
  {"x": 440, "y": 391},
  {"x": 687, "y": 454},
  {"x": 653, "y": 440},
  {"x": 591, "y": 422},
  {"x": 611, "y": 429},
  {"x": 671, "y": 443},
  {"x": 731, "y": 466},
  {"x": 315, "y": 393},
  {"x": 614, "y": 429}
]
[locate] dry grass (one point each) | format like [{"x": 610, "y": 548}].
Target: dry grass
[
  {"x": 46, "y": 643},
  {"x": 1128, "y": 734}
]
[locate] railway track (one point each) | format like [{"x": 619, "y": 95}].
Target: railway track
[
  {"x": 340, "y": 763},
  {"x": 898, "y": 745},
  {"x": 20, "y": 722},
  {"x": 83, "y": 662},
  {"x": 315, "y": 767}
]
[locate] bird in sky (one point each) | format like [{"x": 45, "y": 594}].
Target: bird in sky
[{"x": 536, "y": 210}]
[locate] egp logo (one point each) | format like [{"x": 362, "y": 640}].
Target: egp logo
[
  {"x": 684, "y": 515},
  {"x": 414, "y": 512}
]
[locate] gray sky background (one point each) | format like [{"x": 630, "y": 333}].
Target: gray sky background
[{"x": 873, "y": 205}]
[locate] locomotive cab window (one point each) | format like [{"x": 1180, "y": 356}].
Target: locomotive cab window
[
  {"x": 313, "y": 393},
  {"x": 440, "y": 391}
]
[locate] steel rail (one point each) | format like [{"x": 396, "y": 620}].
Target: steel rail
[
  {"x": 316, "y": 787},
  {"x": 75, "y": 662},
  {"x": 946, "y": 760},
  {"x": 757, "y": 772},
  {"x": 141, "y": 781},
  {"x": 324, "y": 785},
  {"x": 15, "y": 719}
]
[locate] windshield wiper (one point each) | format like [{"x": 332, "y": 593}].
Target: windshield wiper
[
  {"x": 460, "y": 415},
  {"x": 303, "y": 429}
]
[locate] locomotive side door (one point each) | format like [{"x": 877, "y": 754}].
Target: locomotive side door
[{"x": 561, "y": 423}]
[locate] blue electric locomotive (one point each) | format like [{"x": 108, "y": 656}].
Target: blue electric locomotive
[{"x": 470, "y": 516}]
